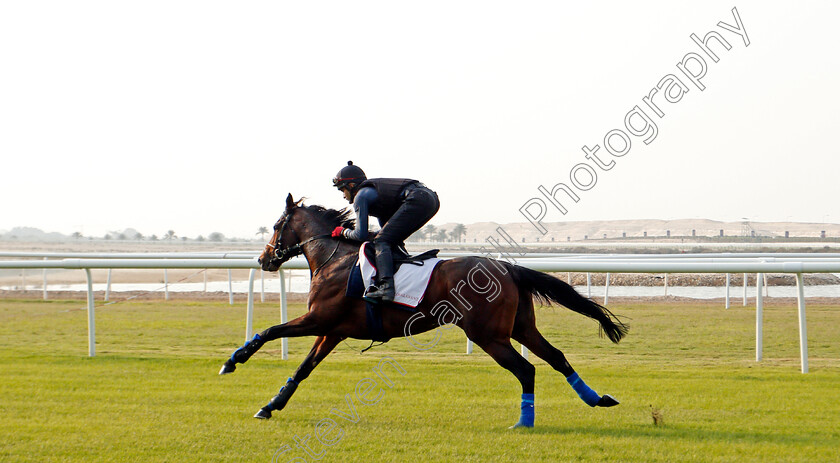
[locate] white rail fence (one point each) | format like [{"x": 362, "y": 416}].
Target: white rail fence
[{"x": 728, "y": 263}]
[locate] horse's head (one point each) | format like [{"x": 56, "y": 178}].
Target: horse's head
[
  {"x": 284, "y": 243},
  {"x": 298, "y": 226}
]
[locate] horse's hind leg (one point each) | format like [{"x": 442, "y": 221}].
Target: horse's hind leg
[
  {"x": 505, "y": 355},
  {"x": 322, "y": 347},
  {"x": 526, "y": 332}
]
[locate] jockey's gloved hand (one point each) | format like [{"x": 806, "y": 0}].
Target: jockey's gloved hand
[{"x": 338, "y": 232}]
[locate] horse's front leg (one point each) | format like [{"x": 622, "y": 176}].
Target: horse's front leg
[
  {"x": 301, "y": 326},
  {"x": 322, "y": 347}
]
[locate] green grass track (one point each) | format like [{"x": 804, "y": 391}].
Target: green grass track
[{"x": 152, "y": 392}]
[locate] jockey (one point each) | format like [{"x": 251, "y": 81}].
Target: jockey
[{"x": 402, "y": 207}]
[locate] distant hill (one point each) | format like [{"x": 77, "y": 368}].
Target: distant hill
[
  {"x": 32, "y": 234},
  {"x": 557, "y": 231},
  {"x": 651, "y": 228}
]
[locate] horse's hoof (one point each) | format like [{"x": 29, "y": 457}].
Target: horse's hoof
[
  {"x": 607, "y": 401},
  {"x": 228, "y": 367},
  {"x": 263, "y": 414}
]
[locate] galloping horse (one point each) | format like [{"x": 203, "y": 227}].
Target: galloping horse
[{"x": 494, "y": 303}]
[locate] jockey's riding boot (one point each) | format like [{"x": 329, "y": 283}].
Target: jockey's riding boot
[
  {"x": 401, "y": 252},
  {"x": 384, "y": 291}
]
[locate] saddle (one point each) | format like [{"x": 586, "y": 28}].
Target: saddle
[
  {"x": 356, "y": 287},
  {"x": 401, "y": 257}
]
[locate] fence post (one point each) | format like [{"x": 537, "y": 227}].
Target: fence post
[
  {"x": 607, "y": 289},
  {"x": 91, "y": 315},
  {"x": 108, "y": 286},
  {"x": 249, "y": 318},
  {"x": 230, "y": 286},
  {"x": 45, "y": 282},
  {"x": 803, "y": 335},
  {"x": 759, "y": 318},
  {"x": 284, "y": 315},
  {"x": 727, "y": 290},
  {"x": 745, "y": 290}
]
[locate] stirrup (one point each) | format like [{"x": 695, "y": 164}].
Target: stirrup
[{"x": 384, "y": 292}]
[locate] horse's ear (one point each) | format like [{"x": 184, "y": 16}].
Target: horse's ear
[{"x": 290, "y": 203}]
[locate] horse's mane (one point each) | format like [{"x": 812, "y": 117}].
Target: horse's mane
[{"x": 333, "y": 217}]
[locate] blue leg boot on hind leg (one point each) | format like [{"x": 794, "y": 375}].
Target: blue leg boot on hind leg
[
  {"x": 526, "y": 415},
  {"x": 589, "y": 396}
]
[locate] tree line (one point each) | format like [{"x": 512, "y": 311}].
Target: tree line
[{"x": 428, "y": 233}]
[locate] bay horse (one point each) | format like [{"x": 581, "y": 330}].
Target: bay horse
[{"x": 491, "y": 300}]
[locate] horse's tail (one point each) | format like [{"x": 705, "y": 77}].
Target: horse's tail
[{"x": 547, "y": 289}]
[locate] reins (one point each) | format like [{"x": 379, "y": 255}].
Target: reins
[
  {"x": 337, "y": 244},
  {"x": 297, "y": 249},
  {"x": 282, "y": 255}
]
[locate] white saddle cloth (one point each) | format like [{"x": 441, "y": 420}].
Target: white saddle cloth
[{"x": 410, "y": 281}]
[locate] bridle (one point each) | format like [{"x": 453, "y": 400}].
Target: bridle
[
  {"x": 293, "y": 251},
  {"x": 281, "y": 254}
]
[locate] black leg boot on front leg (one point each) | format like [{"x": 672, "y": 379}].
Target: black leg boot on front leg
[
  {"x": 242, "y": 354},
  {"x": 385, "y": 274},
  {"x": 279, "y": 401}
]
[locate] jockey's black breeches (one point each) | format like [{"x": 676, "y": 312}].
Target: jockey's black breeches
[{"x": 419, "y": 205}]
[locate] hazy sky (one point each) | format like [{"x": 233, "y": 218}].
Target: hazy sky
[{"x": 200, "y": 116}]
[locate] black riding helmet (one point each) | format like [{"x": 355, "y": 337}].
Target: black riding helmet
[{"x": 349, "y": 174}]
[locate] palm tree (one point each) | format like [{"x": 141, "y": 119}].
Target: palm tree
[
  {"x": 441, "y": 235},
  {"x": 430, "y": 231},
  {"x": 262, "y": 232},
  {"x": 458, "y": 231},
  {"x": 417, "y": 237},
  {"x": 453, "y": 237},
  {"x": 170, "y": 235}
]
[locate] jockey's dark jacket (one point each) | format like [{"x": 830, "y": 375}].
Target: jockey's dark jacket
[{"x": 377, "y": 197}]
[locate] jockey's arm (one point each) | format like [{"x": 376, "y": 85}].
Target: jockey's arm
[{"x": 361, "y": 205}]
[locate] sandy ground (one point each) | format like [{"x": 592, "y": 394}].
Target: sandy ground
[
  {"x": 99, "y": 296},
  {"x": 35, "y": 277},
  {"x": 66, "y": 277}
]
